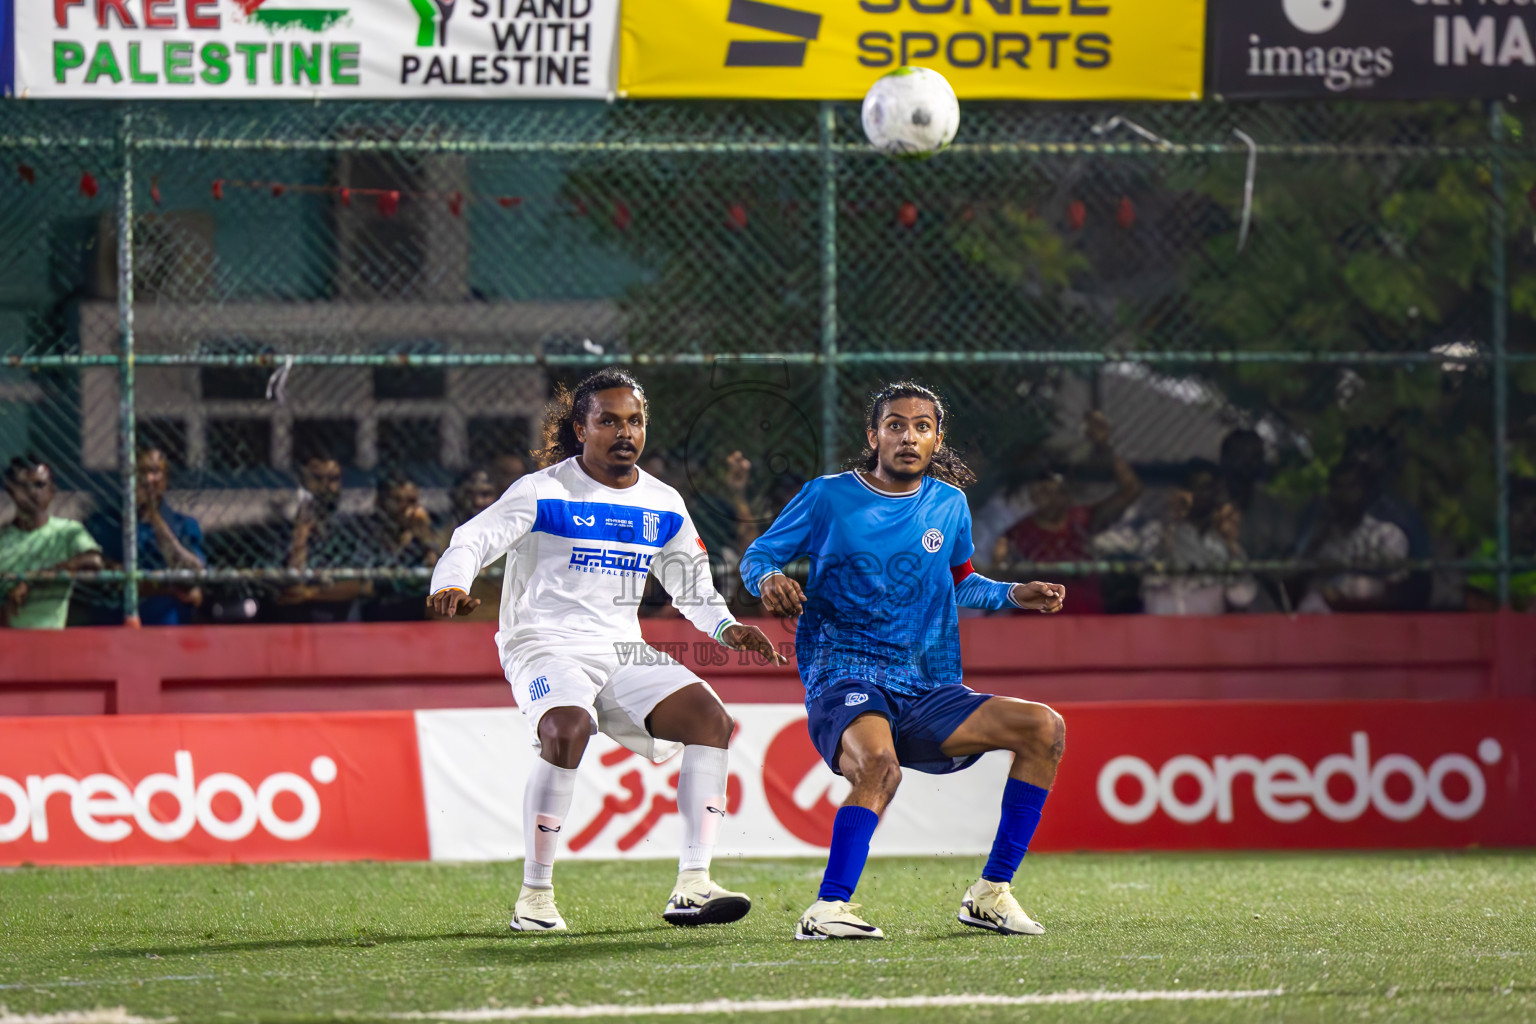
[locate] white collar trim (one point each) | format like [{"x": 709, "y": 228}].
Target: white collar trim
[{"x": 871, "y": 488}]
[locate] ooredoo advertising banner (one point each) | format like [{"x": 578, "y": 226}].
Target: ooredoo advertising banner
[
  {"x": 1255, "y": 775},
  {"x": 448, "y": 785},
  {"x": 209, "y": 788},
  {"x": 988, "y": 49},
  {"x": 1386, "y": 49},
  {"x": 302, "y": 49}
]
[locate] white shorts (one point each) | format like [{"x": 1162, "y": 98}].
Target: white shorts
[{"x": 619, "y": 693}]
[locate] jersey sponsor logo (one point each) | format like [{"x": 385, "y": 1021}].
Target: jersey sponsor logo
[
  {"x": 855, "y": 699},
  {"x": 933, "y": 540},
  {"x": 609, "y": 560},
  {"x": 538, "y": 690},
  {"x": 601, "y": 521}
]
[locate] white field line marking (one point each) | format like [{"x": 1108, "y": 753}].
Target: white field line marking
[
  {"x": 97, "y": 982},
  {"x": 101, "y": 1015},
  {"x": 722, "y": 1006},
  {"x": 501, "y": 969}
]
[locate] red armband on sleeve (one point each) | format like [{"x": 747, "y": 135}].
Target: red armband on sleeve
[{"x": 960, "y": 572}]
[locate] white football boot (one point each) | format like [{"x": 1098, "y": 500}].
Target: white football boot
[
  {"x": 991, "y": 905},
  {"x": 697, "y": 900},
  {"x": 834, "y": 919},
  {"x": 535, "y": 912}
]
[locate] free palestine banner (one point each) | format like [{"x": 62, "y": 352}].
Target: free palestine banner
[{"x": 303, "y": 49}]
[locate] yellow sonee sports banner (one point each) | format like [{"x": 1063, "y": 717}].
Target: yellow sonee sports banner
[{"x": 988, "y": 49}]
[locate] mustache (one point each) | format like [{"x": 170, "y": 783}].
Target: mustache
[{"x": 623, "y": 446}]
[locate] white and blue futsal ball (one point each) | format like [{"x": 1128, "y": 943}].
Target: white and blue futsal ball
[{"x": 911, "y": 112}]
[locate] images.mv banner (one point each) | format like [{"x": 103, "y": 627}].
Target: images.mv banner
[{"x": 1373, "y": 49}]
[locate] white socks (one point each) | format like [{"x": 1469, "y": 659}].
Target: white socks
[
  {"x": 701, "y": 803},
  {"x": 546, "y": 802}
]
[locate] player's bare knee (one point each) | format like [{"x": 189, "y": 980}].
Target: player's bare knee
[
  {"x": 1054, "y": 733},
  {"x": 1042, "y": 734},
  {"x": 720, "y": 726},
  {"x": 880, "y": 772}
]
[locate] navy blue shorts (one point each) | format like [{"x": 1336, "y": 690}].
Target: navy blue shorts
[{"x": 919, "y": 725}]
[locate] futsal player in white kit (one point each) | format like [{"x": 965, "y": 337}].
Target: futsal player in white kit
[{"x": 580, "y": 537}]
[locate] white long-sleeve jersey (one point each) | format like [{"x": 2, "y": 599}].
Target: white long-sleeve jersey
[{"x": 578, "y": 553}]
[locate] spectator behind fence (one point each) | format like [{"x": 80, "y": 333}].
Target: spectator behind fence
[
  {"x": 1380, "y": 459},
  {"x": 730, "y": 515},
  {"x": 1199, "y": 529},
  {"x": 398, "y": 535},
  {"x": 659, "y": 466},
  {"x": 1268, "y": 526},
  {"x": 1060, "y": 531},
  {"x": 167, "y": 539},
  {"x": 473, "y": 493},
  {"x": 1346, "y": 531},
  {"x": 321, "y": 539},
  {"x": 506, "y": 469},
  {"x": 33, "y": 541}
]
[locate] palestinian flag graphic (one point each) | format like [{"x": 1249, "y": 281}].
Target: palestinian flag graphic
[{"x": 312, "y": 19}]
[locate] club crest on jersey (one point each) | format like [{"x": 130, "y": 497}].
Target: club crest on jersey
[
  {"x": 652, "y": 527},
  {"x": 584, "y": 520},
  {"x": 933, "y": 540}
]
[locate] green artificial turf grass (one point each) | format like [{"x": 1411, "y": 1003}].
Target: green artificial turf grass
[{"x": 1422, "y": 937}]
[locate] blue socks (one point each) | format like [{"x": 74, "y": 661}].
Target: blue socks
[
  {"x": 854, "y": 827},
  {"x": 1022, "y": 804},
  {"x": 852, "y": 830}
]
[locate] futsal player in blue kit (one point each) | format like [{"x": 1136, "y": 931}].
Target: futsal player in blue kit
[{"x": 878, "y": 649}]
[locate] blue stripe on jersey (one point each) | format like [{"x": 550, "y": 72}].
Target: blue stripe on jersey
[{"x": 596, "y": 520}]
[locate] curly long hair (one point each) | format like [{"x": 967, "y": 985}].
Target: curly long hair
[
  {"x": 946, "y": 464},
  {"x": 567, "y": 407}
]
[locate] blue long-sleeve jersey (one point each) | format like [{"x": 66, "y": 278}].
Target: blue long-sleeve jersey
[{"x": 888, "y": 572}]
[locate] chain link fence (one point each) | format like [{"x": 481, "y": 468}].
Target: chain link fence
[{"x": 326, "y": 317}]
